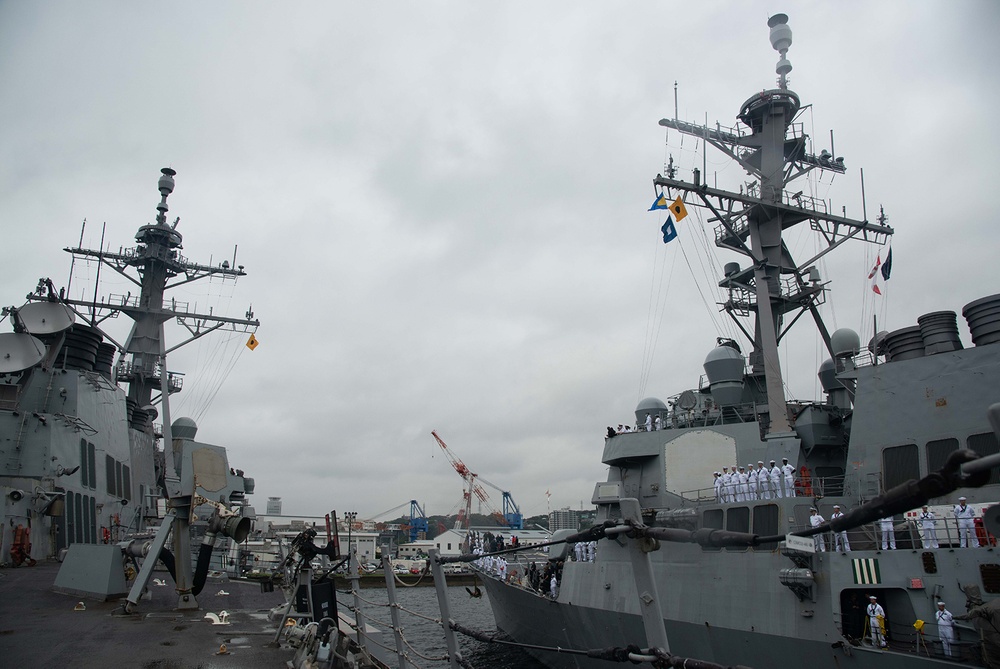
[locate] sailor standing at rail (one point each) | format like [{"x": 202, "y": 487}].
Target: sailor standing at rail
[
  {"x": 789, "y": 472},
  {"x": 876, "y": 618},
  {"x": 927, "y": 524},
  {"x": 888, "y": 528},
  {"x": 725, "y": 484},
  {"x": 965, "y": 515},
  {"x": 718, "y": 486},
  {"x": 762, "y": 477},
  {"x": 753, "y": 485},
  {"x": 816, "y": 520},
  {"x": 946, "y": 627},
  {"x": 649, "y": 423},
  {"x": 743, "y": 486},
  {"x": 775, "y": 475},
  {"x": 840, "y": 542}
]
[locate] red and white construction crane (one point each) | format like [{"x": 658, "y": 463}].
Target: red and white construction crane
[{"x": 472, "y": 487}]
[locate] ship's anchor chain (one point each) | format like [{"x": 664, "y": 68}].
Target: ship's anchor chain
[{"x": 632, "y": 653}]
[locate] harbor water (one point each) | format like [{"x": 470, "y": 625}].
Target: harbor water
[{"x": 424, "y": 637}]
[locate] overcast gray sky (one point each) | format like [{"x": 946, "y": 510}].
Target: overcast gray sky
[{"x": 441, "y": 207}]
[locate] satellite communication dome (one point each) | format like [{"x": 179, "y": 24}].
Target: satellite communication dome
[
  {"x": 845, "y": 343},
  {"x": 184, "y": 428},
  {"x": 651, "y": 404},
  {"x": 828, "y": 376},
  {"x": 724, "y": 366}
]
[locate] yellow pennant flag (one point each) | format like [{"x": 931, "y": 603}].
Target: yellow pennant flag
[
  {"x": 680, "y": 211},
  {"x": 252, "y": 343}
]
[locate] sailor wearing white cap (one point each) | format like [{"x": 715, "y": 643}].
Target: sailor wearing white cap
[
  {"x": 946, "y": 627},
  {"x": 718, "y": 487},
  {"x": 816, "y": 520},
  {"x": 965, "y": 515},
  {"x": 774, "y": 473},
  {"x": 928, "y": 525},
  {"x": 762, "y": 476},
  {"x": 840, "y": 542},
  {"x": 743, "y": 486},
  {"x": 888, "y": 528},
  {"x": 876, "y": 620},
  {"x": 753, "y": 485},
  {"x": 789, "y": 472}
]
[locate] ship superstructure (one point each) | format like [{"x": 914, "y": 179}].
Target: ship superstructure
[
  {"x": 82, "y": 460},
  {"x": 894, "y": 411}
]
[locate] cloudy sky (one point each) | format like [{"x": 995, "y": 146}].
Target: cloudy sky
[{"x": 441, "y": 207}]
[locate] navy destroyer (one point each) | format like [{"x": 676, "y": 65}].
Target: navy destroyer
[
  {"x": 85, "y": 474},
  {"x": 762, "y": 570}
]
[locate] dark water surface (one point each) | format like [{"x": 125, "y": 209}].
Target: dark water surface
[{"x": 426, "y": 646}]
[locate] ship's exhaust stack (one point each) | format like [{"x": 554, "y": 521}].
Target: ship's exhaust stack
[
  {"x": 983, "y": 317},
  {"x": 939, "y": 330}
]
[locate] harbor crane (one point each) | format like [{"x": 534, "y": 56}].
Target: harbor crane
[{"x": 511, "y": 515}]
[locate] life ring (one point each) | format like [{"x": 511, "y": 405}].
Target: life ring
[{"x": 20, "y": 549}]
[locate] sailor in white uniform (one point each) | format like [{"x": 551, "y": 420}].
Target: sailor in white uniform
[
  {"x": 743, "y": 489},
  {"x": 876, "y": 618},
  {"x": 927, "y": 524},
  {"x": 888, "y": 528},
  {"x": 726, "y": 486},
  {"x": 840, "y": 542},
  {"x": 816, "y": 520},
  {"x": 946, "y": 627},
  {"x": 753, "y": 485},
  {"x": 649, "y": 423},
  {"x": 789, "y": 472},
  {"x": 775, "y": 475},
  {"x": 763, "y": 488},
  {"x": 718, "y": 486},
  {"x": 966, "y": 524}
]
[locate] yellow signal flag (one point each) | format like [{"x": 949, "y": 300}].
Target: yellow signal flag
[
  {"x": 252, "y": 342},
  {"x": 680, "y": 211}
]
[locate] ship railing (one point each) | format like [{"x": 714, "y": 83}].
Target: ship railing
[
  {"x": 909, "y": 534},
  {"x": 709, "y": 495},
  {"x": 132, "y": 301},
  {"x": 904, "y": 636}
]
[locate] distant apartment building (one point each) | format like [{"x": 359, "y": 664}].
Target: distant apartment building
[
  {"x": 564, "y": 519},
  {"x": 274, "y": 506}
]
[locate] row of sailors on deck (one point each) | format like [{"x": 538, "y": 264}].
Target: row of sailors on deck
[
  {"x": 964, "y": 515},
  {"x": 746, "y": 484}
]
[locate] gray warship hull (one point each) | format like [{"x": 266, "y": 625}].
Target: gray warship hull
[{"x": 738, "y": 573}]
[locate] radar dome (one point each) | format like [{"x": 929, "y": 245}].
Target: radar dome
[
  {"x": 828, "y": 376},
  {"x": 651, "y": 404},
  {"x": 652, "y": 407},
  {"x": 184, "y": 428},
  {"x": 724, "y": 367},
  {"x": 845, "y": 343}
]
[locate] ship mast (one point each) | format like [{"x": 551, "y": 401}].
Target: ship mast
[
  {"x": 771, "y": 148},
  {"x": 157, "y": 260}
]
